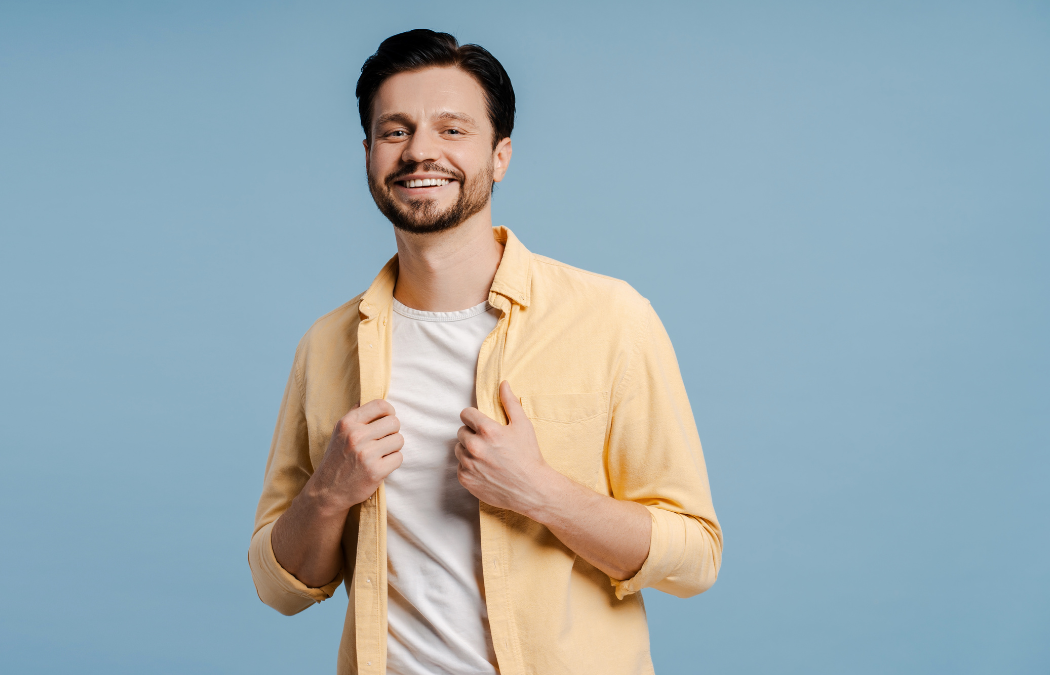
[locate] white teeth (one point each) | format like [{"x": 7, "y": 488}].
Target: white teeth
[{"x": 426, "y": 182}]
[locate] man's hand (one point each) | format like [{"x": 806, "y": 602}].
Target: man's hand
[
  {"x": 365, "y": 448},
  {"x": 502, "y": 465}
]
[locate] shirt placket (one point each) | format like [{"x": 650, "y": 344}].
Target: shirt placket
[
  {"x": 373, "y": 343},
  {"x": 494, "y": 550}
]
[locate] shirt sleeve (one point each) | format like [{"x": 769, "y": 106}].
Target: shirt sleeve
[
  {"x": 287, "y": 470},
  {"x": 655, "y": 459}
]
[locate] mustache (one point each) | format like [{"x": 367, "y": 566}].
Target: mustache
[{"x": 430, "y": 167}]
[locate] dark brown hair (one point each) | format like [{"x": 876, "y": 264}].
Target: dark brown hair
[{"x": 422, "y": 48}]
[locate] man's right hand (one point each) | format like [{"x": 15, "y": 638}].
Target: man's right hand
[{"x": 365, "y": 448}]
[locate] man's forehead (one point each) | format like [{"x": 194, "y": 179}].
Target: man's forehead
[{"x": 446, "y": 92}]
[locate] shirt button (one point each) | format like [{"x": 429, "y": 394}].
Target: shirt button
[{"x": 369, "y": 580}]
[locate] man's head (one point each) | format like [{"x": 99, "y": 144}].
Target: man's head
[{"x": 437, "y": 118}]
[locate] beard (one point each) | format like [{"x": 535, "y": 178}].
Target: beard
[{"x": 422, "y": 216}]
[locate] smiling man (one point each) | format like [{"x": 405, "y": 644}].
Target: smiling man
[{"x": 479, "y": 528}]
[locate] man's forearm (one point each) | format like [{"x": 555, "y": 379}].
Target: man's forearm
[
  {"x": 611, "y": 534},
  {"x": 307, "y": 539},
  {"x": 365, "y": 447}
]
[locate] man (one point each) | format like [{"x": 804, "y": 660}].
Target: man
[{"x": 479, "y": 528}]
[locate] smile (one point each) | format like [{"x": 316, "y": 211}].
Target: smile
[{"x": 424, "y": 182}]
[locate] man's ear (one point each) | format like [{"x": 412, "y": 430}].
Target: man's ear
[
  {"x": 501, "y": 159},
  {"x": 368, "y": 151}
]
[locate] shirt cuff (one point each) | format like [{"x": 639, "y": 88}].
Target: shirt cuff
[
  {"x": 666, "y": 549},
  {"x": 278, "y": 587}
]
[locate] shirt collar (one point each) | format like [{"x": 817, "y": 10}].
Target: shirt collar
[
  {"x": 511, "y": 280},
  {"x": 512, "y": 275}
]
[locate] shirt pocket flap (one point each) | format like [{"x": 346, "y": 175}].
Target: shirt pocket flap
[
  {"x": 565, "y": 407},
  {"x": 570, "y": 429}
]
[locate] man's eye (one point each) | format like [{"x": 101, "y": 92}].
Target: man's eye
[
  {"x": 398, "y": 132},
  {"x": 454, "y": 131}
]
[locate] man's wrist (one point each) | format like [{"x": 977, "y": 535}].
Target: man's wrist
[
  {"x": 552, "y": 493},
  {"x": 319, "y": 500}
]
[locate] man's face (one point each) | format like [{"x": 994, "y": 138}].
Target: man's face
[{"x": 431, "y": 163}]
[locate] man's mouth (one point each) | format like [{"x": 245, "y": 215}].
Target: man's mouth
[{"x": 424, "y": 182}]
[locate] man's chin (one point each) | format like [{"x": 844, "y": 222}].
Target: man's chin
[
  {"x": 426, "y": 216},
  {"x": 417, "y": 223},
  {"x": 423, "y": 228}
]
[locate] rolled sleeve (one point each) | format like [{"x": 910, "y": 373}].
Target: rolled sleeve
[
  {"x": 278, "y": 587},
  {"x": 655, "y": 459},
  {"x": 288, "y": 468},
  {"x": 678, "y": 561}
]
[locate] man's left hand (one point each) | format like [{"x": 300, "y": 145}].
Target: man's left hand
[{"x": 501, "y": 464}]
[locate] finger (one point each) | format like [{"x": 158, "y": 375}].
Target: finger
[
  {"x": 464, "y": 433},
  {"x": 385, "y": 446},
  {"x": 470, "y": 441},
  {"x": 463, "y": 476},
  {"x": 475, "y": 419},
  {"x": 350, "y": 416},
  {"x": 373, "y": 410},
  {"x": 387, "y": 465},
  {"x": 465, "y": 461},
  {"x": 511, "y": 404},
  {"x": 382, "y": 427}
]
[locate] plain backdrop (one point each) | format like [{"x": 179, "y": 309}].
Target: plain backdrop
[{"x": 841, "y": 211}]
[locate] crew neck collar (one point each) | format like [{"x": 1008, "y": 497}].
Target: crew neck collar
[{"x": 422, "y": 315}]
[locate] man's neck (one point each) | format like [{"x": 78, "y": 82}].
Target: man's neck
[{"x": 447, "y": 271}]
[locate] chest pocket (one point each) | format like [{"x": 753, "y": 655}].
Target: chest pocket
[{"x": 571, "y": 432}]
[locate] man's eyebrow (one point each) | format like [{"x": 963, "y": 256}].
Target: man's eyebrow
[
  {"x": 400, "y": 118},
  {"x": 458, "y": 117},
  {"x": 404, "y": 118}
]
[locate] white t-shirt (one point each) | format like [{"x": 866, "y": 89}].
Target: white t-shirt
[{"x": 436, "y": 612}]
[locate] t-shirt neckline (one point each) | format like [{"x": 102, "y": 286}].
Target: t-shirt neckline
[{"x": 458, "y": 315}]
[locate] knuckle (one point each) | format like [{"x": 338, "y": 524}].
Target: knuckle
[
  {"x": 357, "y": 454},
  {"x": 356, "y": 436}
]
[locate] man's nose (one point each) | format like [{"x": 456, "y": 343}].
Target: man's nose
[{"x": 420, "y": 148}]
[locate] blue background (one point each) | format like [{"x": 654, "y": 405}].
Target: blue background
[{"x": 841, "y": 211}]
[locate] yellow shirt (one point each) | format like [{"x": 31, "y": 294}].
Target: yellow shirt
[{"x": 598, "y": 377}]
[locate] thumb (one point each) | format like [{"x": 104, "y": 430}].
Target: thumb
[{"x": 511, "y": 404}]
